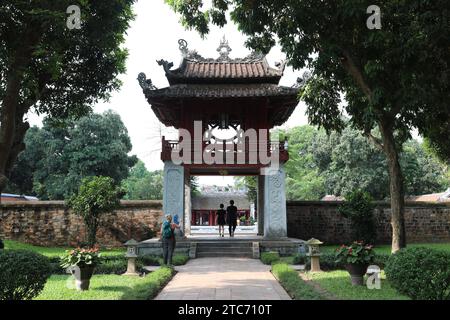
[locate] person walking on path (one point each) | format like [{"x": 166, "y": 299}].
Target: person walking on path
[
  {"x": 168, "y": 239},
  {"x": 232, "y": 217},
  {"x": 220, "y": 214}
]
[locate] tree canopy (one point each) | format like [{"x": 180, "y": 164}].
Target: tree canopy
[
  {"x": 58, "y": 157},
  {"x": 143, "y": 184},
  {"x": 390, "y": 77},
  {"x": 95, "y": 196},
  {"x": 341, "y": 162},
  {"x": 52, "y": 69}
]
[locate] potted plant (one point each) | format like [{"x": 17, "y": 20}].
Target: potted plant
[
  {"x": 356, "y": 258},
  {"x": 243, "y": 221},
  {"x": 82, "y": 262}
]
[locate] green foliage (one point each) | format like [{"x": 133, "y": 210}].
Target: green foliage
[
  {"x": 52, "y": 70},
  {"x": 337, "y": 283},
  {"x": 294, "y": 285},
  {"x": 436, "y": 132},
  {"x": 22, "y": 274},
  {"x": 356, "y": 253},
  {"x": 153, "y": 283},
  {"x": 342, "y": 162},
  {"x": 195, "y": 188},
  {"x": 328, "y": 261},
  {"x": 179, "y": 259},
  {"x": 109, "y": 287},
  {"x": 376, "y": 72},
  {"x": 58, "y": 157},
  {"x": 81, "y": 257},
  {"x": 358, "y": 207},
  {"x": 143, "y": 184},
  {"x": 299, "y": 259},
  {"x": 303, "y": 179},
  {"x": 96, "y": 196},
  {"x": 251, "y": 184},
  {"x": 269, "y": 257},
  {"x": 420, "y": 273}
]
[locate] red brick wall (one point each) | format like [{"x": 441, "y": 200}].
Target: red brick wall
[
  {"x": 424, "y": 222},
  {"x": 50, "y": 223}
]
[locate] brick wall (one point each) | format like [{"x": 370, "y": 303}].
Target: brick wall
[
  {"x": 424, "y": 222},
  {"x": 51, "y": 223}
]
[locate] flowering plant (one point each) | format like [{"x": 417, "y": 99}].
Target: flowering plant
[
  {"x": 356, "y": 253},
  {"x": 81, "y": 257}
]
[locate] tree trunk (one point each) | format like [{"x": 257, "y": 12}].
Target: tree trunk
[
  {"x": 91, "y": 230},
  {"x": 396, "y": 189},
  {"x": 9, "y": 124},
  {"x": 91, "y": 235}
]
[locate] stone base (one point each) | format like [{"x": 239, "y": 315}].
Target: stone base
[
  {"x": 135, "y": 274},
  {"x": 285, "y": 246}
]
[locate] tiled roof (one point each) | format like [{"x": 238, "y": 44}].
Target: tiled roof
[
  {"x": 213, "y": 200},
  {"x": 221, "y": 91},
  {"x": 196, "y": 69},
  {"x": 218, "y": 71},
  {"x": 433, "y": 197}
]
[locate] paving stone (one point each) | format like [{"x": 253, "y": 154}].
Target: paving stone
[{"x": 223, "y": 279}]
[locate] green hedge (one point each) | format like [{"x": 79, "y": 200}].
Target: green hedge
[
  {"x": 420, "y": 273},
  {"x": 294, "y": 285},
  {"x": 153, "y": 283},
  {"x": 118, "y": 264},
  {"x": 328, "y": 261},
  {"x": 23, "y": 274},
  {"x": 269, "y": 257}
]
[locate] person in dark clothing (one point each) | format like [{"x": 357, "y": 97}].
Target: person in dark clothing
[
  {"x": 221, "y": 213},
  {"x": 168, "y": 239},
  {"x": 232, "y": 217}
]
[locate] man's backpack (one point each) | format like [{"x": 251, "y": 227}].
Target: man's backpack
[{"x": 167, "y": 232}]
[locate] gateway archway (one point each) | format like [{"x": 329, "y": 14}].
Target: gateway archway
[{"x": 239, "y": 95}]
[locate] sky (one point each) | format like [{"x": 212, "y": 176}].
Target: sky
[{"x": 154, "y": 35}]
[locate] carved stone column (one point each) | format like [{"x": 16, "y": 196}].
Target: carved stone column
[
  {"x": 260, "y": 209},
  {"x": 187, "y": 205},
  {"x": 275, "y": 225},
  {"x": 173, "y": 197}
]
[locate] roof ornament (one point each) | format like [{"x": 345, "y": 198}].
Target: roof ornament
[
  {"x": 301, "y": 81},
  {"x": 183, "y": 46},
  {"x": 188, "y": 54},
  {"x": 166, "y": 64},
  {"x": 255, "y": 56},
  {"x": 224, "y": 49},
  {"x": 144, "y": 82},
  {"x": 281, "y": 65}
]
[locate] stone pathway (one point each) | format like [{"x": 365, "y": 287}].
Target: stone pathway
[{"x": 223, "y": 279}]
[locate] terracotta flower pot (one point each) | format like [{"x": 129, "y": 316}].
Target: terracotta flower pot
[
  {"x": 83, "y": 277},
  {"x": 357, "y": 272}
]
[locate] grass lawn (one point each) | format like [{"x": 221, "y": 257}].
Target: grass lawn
[
  {"x": 108, "y": 287},
  {"x": 293, "y": 284},
  {"x": 386, "y": 249},
  {"x": 338, "y": 283},
  {"x": 54, "y": 251}
]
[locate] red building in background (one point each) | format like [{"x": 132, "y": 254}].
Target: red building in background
[{"x": 205, "y": 206}]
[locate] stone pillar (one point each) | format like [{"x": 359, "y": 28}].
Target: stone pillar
[
  {"x": 187, "y": 205},
  {"x": 173, "y": 197},
  {"x": 260, "y": 209},
  {"x": 275, "y": 222}
]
